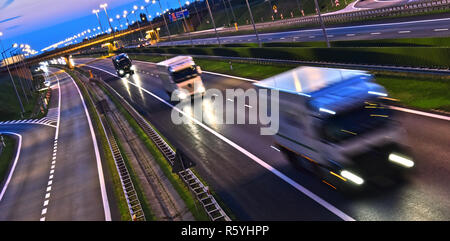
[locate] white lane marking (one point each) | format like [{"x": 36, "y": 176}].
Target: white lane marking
[
  {"x": 358, "y": 26},
  {"x": 377, "y": 33},
  {"x": 406, "y": 31},
  {"x": 230, "y": 76},
  {"x": 442, "y": 117},
  {"x": 440, "y": 29},
  {"x": 248, "y": 106},
  {"x": 49, "y": 183},
  {"x": 52, "y": 171},
  {"x": 276, "y": 149},
  {"x": 50, "y": 177},
  {"x": 44, "y": 211},
  {"x": 16, "y": 158},
  {"x": 42, "y": 219},
  {"x": 230, "y": 100},
  {"x": 47, "y": 195},
  {"x": 279, "y": 174},
  {"x": 49, "y": 188},
  {"x": 350, "y": 34},
  {"x": 393, "y": 107},
  {"x": 97, "y": 157},
  {"x": 45, "y": 203}
]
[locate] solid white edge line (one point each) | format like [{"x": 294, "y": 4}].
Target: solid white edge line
[
  {"x": 442, "y": 117},
  {"x": 285, "y": 178},
  {"x": 106, "y": 208},
  {"x": 16, "y": 158}
]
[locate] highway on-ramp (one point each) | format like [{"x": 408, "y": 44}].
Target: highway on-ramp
[
  {"x": 258, "y": 183},
  {"x": 56, "y": 176}
]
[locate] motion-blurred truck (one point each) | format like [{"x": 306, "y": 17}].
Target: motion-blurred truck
[
  {"x": 336, "y": 123},
  {"x": 123, "y": 65},
  {"x": 181, "y": 76}
]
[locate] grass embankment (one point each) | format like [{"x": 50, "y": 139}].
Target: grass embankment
[
  {"x": 422, "y": 92},
  {"x": 6, "y": 156},
  {"x": 191, "y": 202},
  {"x": 106, "y": 154},
  {"x": 10, "y": 107}
]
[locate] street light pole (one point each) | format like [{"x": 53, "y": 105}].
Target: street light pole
[
  {"x": 17, "y": 72},
  {"x": 253, "y": 23},
  {"x": 232, "y": 11},
  {"x": 96, "y": 11},
  {"x": 186, "y": 24},
  {"x": 196, "y": 12},
  {"x": 12, "y": 80},
  {"x": 104, "y": 5},
  {"x": 321, "y": 24},
  {"x": 214, "y": 24},
  {"x": 164, "y": 17},
  {"x": 137, "y": 19}
]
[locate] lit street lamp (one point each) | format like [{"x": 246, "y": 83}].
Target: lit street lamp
[
  {"x": 104, "y": 5},
  {"x": 96, "y": 11}
]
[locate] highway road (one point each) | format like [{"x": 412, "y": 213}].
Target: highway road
[
  {"x": 398, "y": 29},
  {"x": 258, "y": 183},
  {"x": 57, "y": 175}
]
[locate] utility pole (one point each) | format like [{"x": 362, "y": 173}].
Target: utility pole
[{"x": 253, "y": 23}]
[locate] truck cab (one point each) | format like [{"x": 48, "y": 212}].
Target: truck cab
[
  {"x": 181, "y": 76},
  {"x": 335, "y": 123},
  {"x": 123, "y": 65}
]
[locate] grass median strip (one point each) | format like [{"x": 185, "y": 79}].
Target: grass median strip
[{"x": 191, "y": 202}]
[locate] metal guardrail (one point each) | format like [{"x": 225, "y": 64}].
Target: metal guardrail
[
  {"x": 315, "y": 63},
  {"x": 212, "y": 208},
  {"x": 409, "y": 8},
  {"x": 134, "y": 205}
]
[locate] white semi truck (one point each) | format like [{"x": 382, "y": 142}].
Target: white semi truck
[
  {"x": 334, "y": 122},
  {"x": 181, "y": 76}
]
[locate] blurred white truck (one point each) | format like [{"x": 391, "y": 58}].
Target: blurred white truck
[
  {"x": 333, "y": 122},
  {"x": 181, "y": 76}
]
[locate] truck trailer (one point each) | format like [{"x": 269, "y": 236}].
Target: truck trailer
[
  {"x": 336, "y": 123},
  {"x": 181, "y": 76}
]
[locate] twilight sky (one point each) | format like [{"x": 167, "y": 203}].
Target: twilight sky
[{"x": 41, "y": 23}]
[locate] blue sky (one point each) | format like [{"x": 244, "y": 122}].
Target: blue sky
[{"x": 41, "y": 23}]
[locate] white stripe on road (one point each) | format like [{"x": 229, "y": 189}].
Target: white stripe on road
[
  {"x": 16, "y": 158},
  {"x": 279, "y": 174},
  {"x": 441, "y": 29},
  {"x": 106, "y": 208},
  {"x": 442, "y": 117},
  {"x": 406, "y": 31}
]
